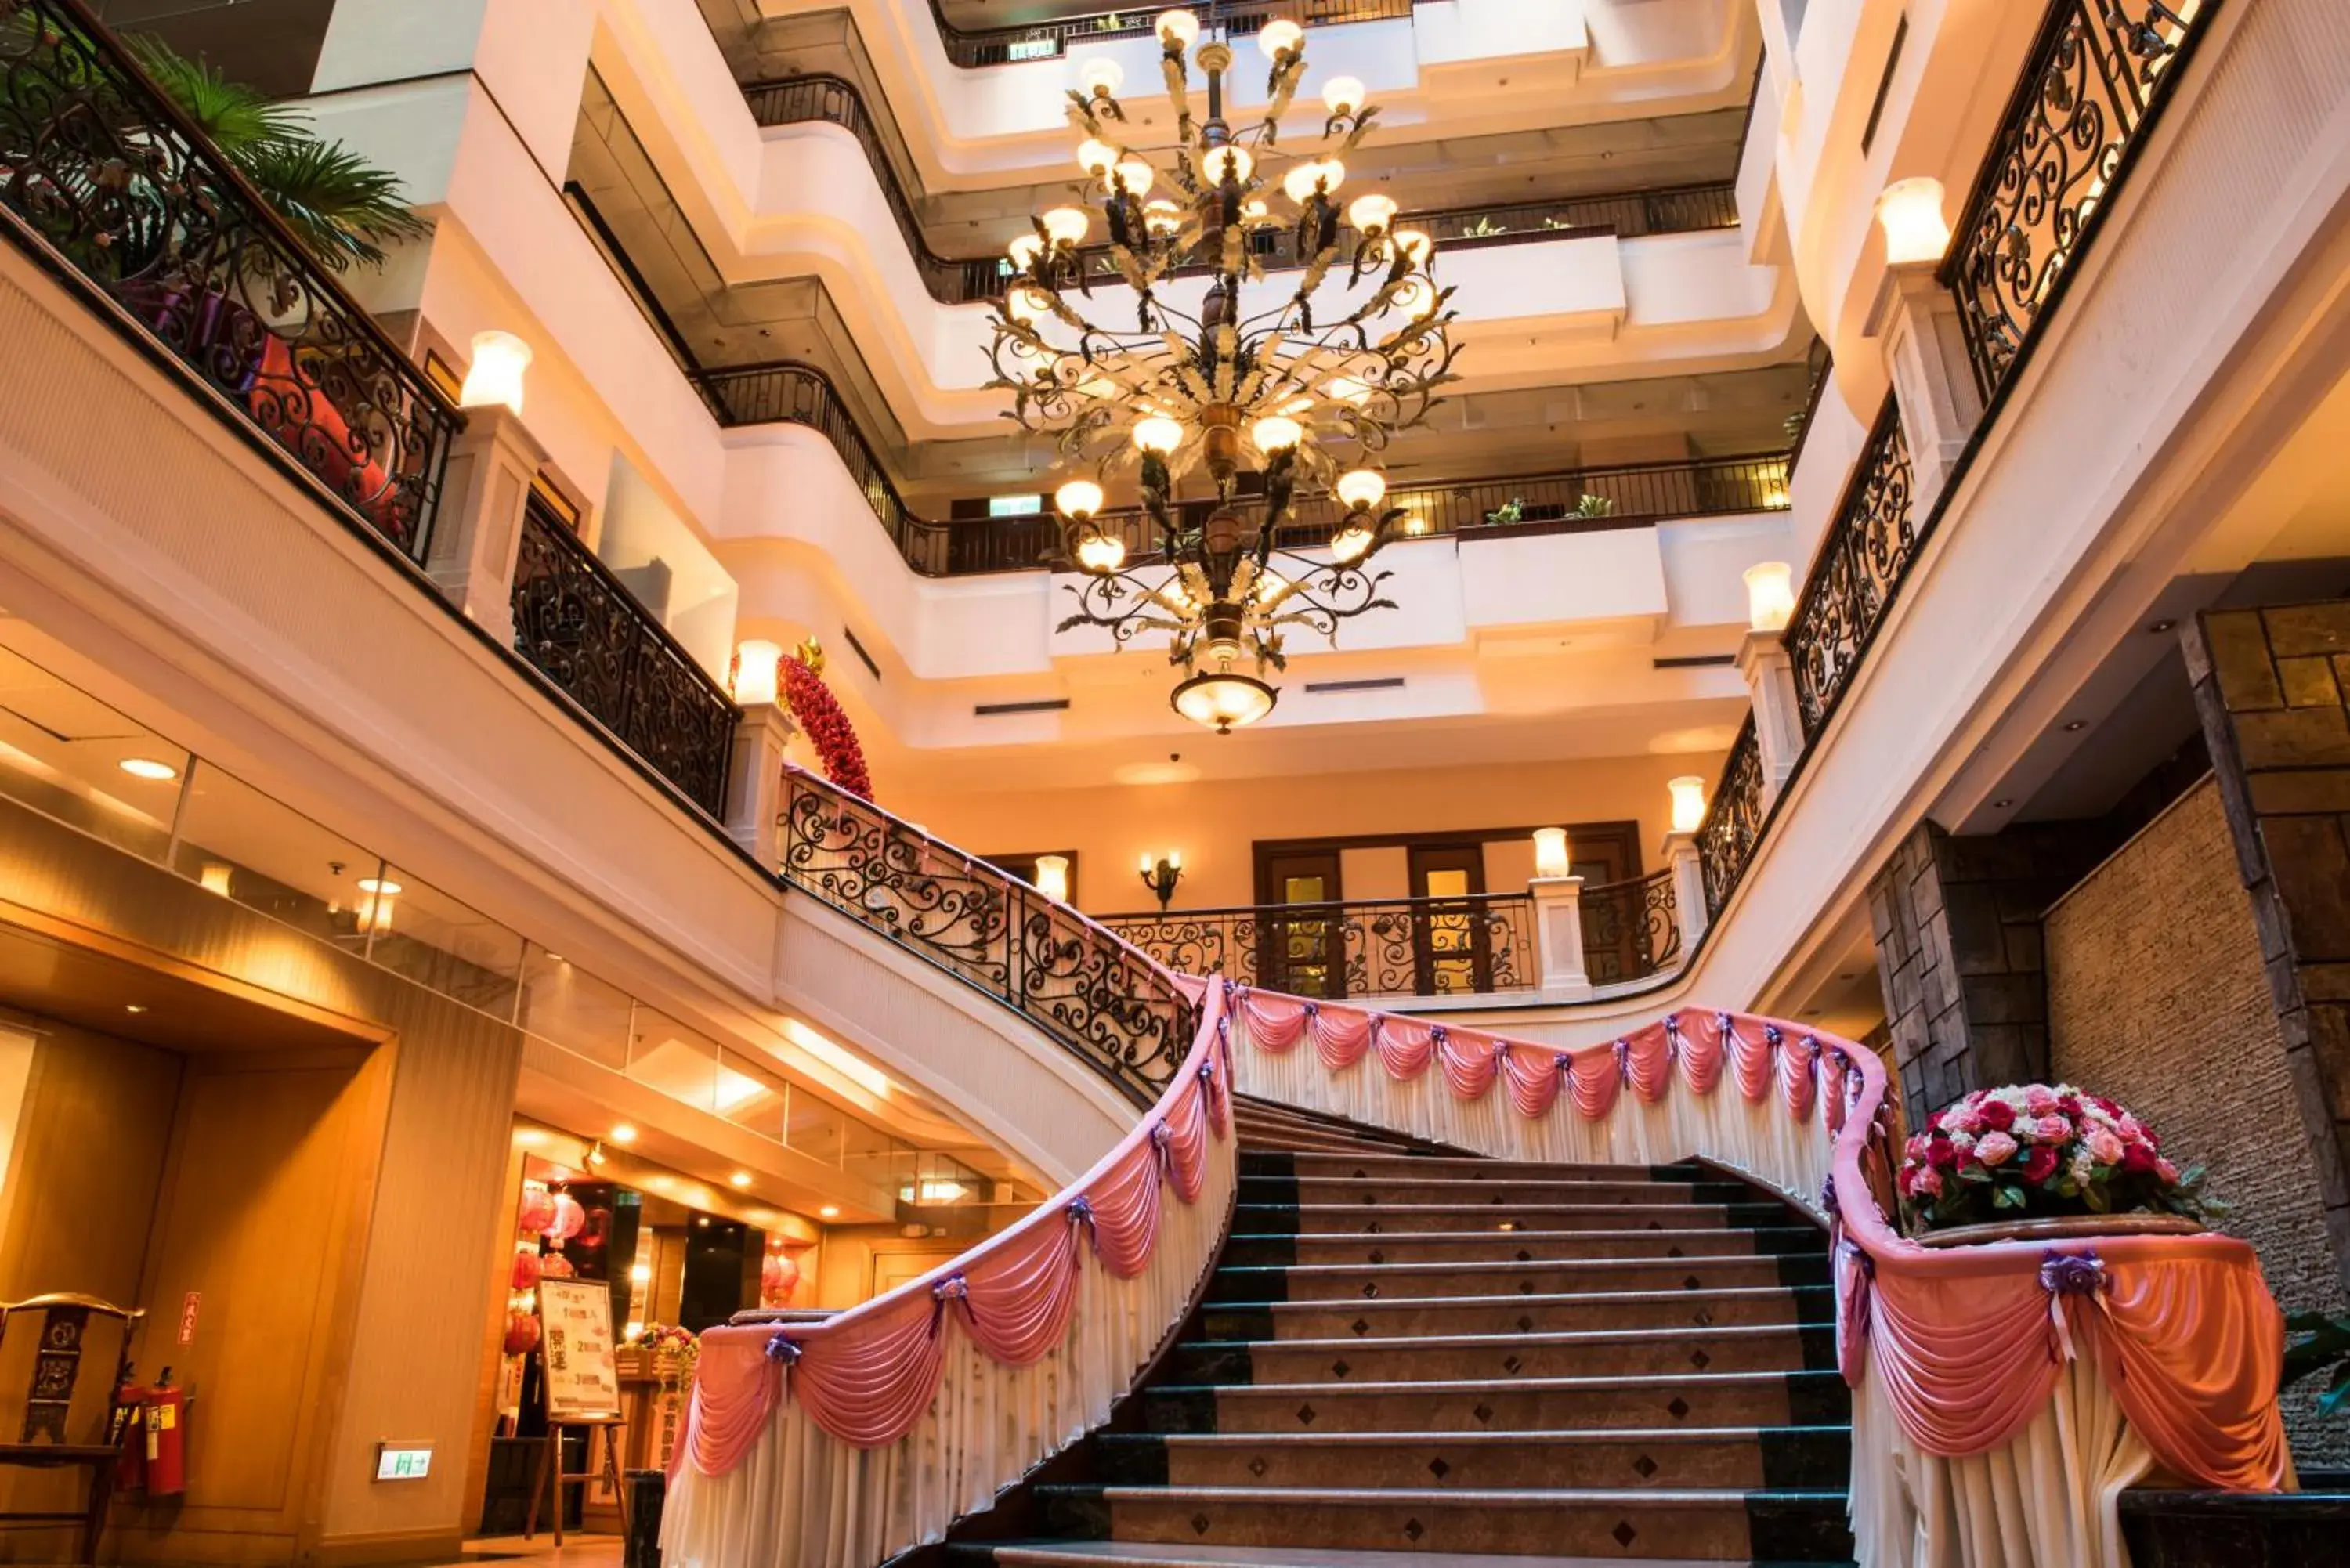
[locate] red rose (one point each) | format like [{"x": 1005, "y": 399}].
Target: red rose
[
  {"x": 2138, "y": 1158},
  {"x": 1942, "y": 1151},
  {"x": 2039, "y": 1164},
  {"x": 1998, "y": 1114}
]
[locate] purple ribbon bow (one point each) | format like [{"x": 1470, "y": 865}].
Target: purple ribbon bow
[{"x": 782, "y": 1347}]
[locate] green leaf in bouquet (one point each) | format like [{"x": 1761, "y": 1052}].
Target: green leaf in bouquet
[{"x": 2008, "y": 1196}]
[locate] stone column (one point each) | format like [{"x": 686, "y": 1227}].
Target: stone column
[
  {"x": 1689, "y": 889},
  {"x": 1916, "y": 321},
  {"x": 1558, "y": 938},
  {"x": 754, "y": 782},
  {"x": 1778, "y": 721},
  {"x": 477, "y": 530}
]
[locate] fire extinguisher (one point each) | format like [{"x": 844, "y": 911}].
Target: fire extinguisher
[
  {"x": 164, "y": 1416},
  {"x": 129, "y": 1431}
]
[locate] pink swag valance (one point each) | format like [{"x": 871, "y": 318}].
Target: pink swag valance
[{"x": 1969, "y": 1342}]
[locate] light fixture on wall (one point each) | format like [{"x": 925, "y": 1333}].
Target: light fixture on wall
[
  {"x": 375, "y": 909},
  {"x": 757, "y": 663},
  {"x": 1552, "y": 857},
  {"x": 1053, "y": 877},
  {"x": 623, "y": 1133},
  {"x": 495, "y": 375},
  {"x": 596, "y": 1156},
  {"x": 1689, "y": 801},
  {"x": 216, "y": 875},
  {"x": 1910, "y": 211},
  {"x": 1770, "y": 595},
  {"x": 1161, "y": 875}
]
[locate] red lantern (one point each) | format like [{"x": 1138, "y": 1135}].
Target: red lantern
[
  {"x": 556, "y": 1266},
  {"x": 537, "y": 1210},
  {"x": 526, "y": 1270},
  {"x": 567, "y": 1218},
  {"x": 787, "y": 1275},
  {"x": 522, "y": 1332}
]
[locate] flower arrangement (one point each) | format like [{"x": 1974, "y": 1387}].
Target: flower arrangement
[
  {"x": 2029, "y": 1150},
  {"x": 826, "y": 727},
  {"x": 669, "y": 1339}
]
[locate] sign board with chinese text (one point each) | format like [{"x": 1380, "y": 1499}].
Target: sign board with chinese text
[{"x": 574, "y": 1349}]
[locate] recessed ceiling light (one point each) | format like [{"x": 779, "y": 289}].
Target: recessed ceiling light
[
  {"x": 741, "y": 1178},
  {"x": 134, "y": 1007},
  {"x": 148, "y": 768},
  {"x": 702, "y": 1220},
  {"x": 2077, "y": 726},
  {"x": 623, "y": 1133},
  {"x": 829, "y": 1211},
  {"x": 557, "y": 958},
  {"x": 2158, "y": 627},
  {"x": 383, "y": 884},
  {"x": 2001, "y": 804}
]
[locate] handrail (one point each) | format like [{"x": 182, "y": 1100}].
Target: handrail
[
  {"x": 1631, "y": 929},
  {"x": 105, "y": 183},
  {"x": 1048, "y": 40},
  {"x": 1473, "y": 944},
  {"x": 1106, "y": 1002}
]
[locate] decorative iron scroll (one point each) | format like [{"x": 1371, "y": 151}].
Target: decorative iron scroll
[
  {"x": 581, "y": 627},
  {"x": 1859, "y": 569},
  {"x": 1631, "y": 929},
  {"x": 1402, "y": 947},
  {"x": 1050, "y": 40},
  {"x": 102, "y": 179},
  {"x": 1073, "y": 979},
  {"x": 2098, "y": 72},
  {"x": 1733, "y": 820}
]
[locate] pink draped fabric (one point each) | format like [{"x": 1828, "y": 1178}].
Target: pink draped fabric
[
  {"x": 866, "y": 1376},
  {"x": 1969, "y": 1341}
]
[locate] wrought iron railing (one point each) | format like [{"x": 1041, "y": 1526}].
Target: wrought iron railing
[
  {"x": 105, "y": 183},
  {"x": 1397, "y": 947},
  {"x": 1733, "y": 821},
  {"x": 2098, "y": 72},
  {"x": 1631, "y": 929},
  {"x": 1102, "y": 1000},
  {"x": 1050, "y": 40},
  {"x": 581, "y": 627},
  {"x": 835, "y": 101},
  {"x": 1862, "y": 561},
  {"x": 1819, "y": 368}
]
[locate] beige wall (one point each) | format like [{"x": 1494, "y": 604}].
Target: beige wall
[
  {"x": 1214, "y": 823},
  {"x": 2156, "y": 997}
]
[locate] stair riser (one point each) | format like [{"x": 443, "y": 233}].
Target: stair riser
[
  {"x": 1512, "y": 1314},
  {"x": 1810, "y": 1459},
  {"x": 1357, "y": 1220},
  {"x": 1796, "y": 1400},
  {"x": 1625, "y": 1531},
  {"x": 1510, "y": 1246},
  {"x": 1500, "y": 1358},
  {"x": 1426, "y": 1167},
  {"x": 1354, "y": 1193},
  {"x": 1446, "y": 1281}
]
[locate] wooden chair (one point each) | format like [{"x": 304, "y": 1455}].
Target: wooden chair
[{"x": 64, "y": 1319}]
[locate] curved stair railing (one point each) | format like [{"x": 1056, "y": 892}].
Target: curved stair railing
[{"x": 2004, "y": 1392}]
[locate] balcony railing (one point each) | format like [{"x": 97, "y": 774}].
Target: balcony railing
[
  {"x": 1069, "y": 976},
  {"x": 579, "y": 625},
  {"x": 1398, "y": 947},
  {"x": 1733, "y": 821},
  {"x": 1051, "y": 40},
  {"x": 107, "y": 185},
  {"x": 835, "y": 101},
  {"x": 1862, "y": 562},
  {"x": 1631, "y": 929}
]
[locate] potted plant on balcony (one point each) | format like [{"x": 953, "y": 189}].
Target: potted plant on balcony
[{"x": 2035, "y": 1160}]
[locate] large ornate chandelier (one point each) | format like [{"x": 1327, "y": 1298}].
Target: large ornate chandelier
[{"x": 1222, "y": 373}]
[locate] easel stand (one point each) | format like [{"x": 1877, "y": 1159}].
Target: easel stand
[{"x": 550, "y": 1478}]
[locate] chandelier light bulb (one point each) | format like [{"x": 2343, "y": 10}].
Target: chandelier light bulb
[
  {"x": 1137, "y": 176},
  {"x": 1095, "y": 156},
  {"x": 1158, "y": 434},
  {"x": 1277, "y": 434},
  {"x": 1348, "y": 390},
  {"x": 1024, "y": 250},
  {"x": 1280, "y": 36},
  {"x": 1255, "y": 209},
  {"x": 1351, "y": 544},
  {"x": 1101, "y": 553},
  {"x": 1177, "y": 29},
  {"x": 1343, "y": 94},
  {"x": 1162, "y": 217},
  {"x": 1372, "y": 213},
  {"x": 1303, "y": 180},
  {"x": 1027, "y": 305},
  {"x": 1414, "y": 243},
  {"x": 1362, "y": 489},
  {"x": 1228, "y": 162},
  {"x": 1079, "y": 498},
  {"x": 1102, "y": 75},
  {"x": 1067, "y": 225}
]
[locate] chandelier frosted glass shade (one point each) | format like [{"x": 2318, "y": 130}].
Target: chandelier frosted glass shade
[{"x": 1225, "y": 700}]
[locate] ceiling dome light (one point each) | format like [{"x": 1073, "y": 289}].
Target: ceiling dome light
[
  {"x": 1280, "y": 36},
  {"x": 1137, "y": 176},
  {"x": 1102, "y": 75},
  {"x": 1343, "y": 94},
  {"x": 1362, "y": 489},
  {"x": 1067, "y": 225},
  {"x": 1162, "y": 217},
  {"x": 1177, "y": 29},
  {"x": 1024, "y": 249},
  {"x": 1101, "y": 553},
  {"x": 1080, "y": 499},
  {"x": 1371, "y": 212},
  {"x": 148, "y": 768},
  {"x": 1095, "y": 156},
  {"x": 1159, "y": 434},
  {"x": 1351, "y": 544},
  {"x": 383, "y": 884},
  {"x": 1223, "y": 700},
  {"x": 1277, "y": 434},
  {"x": 1232, "y": 160}
]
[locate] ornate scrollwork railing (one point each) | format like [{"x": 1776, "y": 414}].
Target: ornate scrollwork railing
[
  {"x": 1398, "y": 947},
  {"x": 1101, "y": 998},
  {"x": 581, "y": 627},
  {"x": 1859, "y": 569},
  {"x": 1050, "y": 40},
  {"x": 104, "y": 182},
  {"x": 2098, "y": 72},
  {"x": 1733, "y": 820},
  {"x": 1631, "y": 929}
]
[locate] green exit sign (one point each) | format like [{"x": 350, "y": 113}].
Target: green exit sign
[{"x": 402, "y": 1462}]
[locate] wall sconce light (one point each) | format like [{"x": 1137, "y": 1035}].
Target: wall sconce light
[
  {"x": 1053, "y": 877},
  {"x": 214, "y": 876},
  {"x": 756, "y": 661},
  {"x": 1689, "y": 801},
  {"x": 1551, "y": 856},
  {"x": 1910, "y": 210},
  {"x": 1160, "y": 876},
  {"x": 495, "y": 375},
  {"x": 375, "y": 909},
  {"x": 1770, "y": 595}
]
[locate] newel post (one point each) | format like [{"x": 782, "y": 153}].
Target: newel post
[
  {"x": 1689, "y": 889},
  {"x": 1778, "y": 720},
  {"x": 754, "y": 781},
  {"x": 1915, "y": 321},
  {"x": 1558, "y": 938},
  {"x": 478, "y": 532}
]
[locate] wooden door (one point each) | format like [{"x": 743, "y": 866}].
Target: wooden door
[
  {"x": 1303, "y": 953},
  {"x": 1453, "y": 950}
]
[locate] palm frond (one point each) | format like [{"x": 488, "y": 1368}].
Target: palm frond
[
  {"x": 234, "y": 117},
  {"x": 345, "y": 208}
]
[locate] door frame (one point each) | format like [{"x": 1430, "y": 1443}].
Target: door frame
[
  {"x": 1273, "y": 933},
  {"x": 1471, "y": 858}
]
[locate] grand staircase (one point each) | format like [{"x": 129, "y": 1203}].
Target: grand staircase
[{"x": 1411, "y": 1355}]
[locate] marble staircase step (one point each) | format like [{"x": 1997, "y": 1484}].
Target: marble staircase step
[{"x": 1398, "y": 1314}]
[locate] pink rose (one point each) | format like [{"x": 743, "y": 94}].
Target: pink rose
[
  {"x": 1916, "y": 1147},
  {"x": 2052, "y": 1129},
  {"x": 2104, "y": 1146},
  {"x": 2168, "y": 1171},
  {"x": 2040, "y": 1100},
  {"x": 1995, "y": 1149},
  {"x": 1927, "y": 1182},
  {"x": 1965, "y": 1119}
]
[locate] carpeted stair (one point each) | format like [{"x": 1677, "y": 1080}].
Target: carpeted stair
[{"x": 1410, "y": 1355}]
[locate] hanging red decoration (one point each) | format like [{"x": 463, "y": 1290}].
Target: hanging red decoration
[
  {"x": 526, "y": 1270},
  {"x": 821, "y": 720},
  {"x": 566, "y": 1220},
  {"x": 556, "y": 1266},
  {"x": 522, "y": 1332},
  {"x": 537, "y": 1210}
]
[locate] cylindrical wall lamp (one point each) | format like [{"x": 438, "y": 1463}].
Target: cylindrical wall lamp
[
  {"x": 1053, "y": 877},
  {"x": 495, "y": 375},
  {"x": 1770, "y": 595},
  {"x": 1910, "y": 210},
  {"x": 1550, "y": 857},
  {"x": 756, "y": 661},
  {"x": 1689, "y": 801}
]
